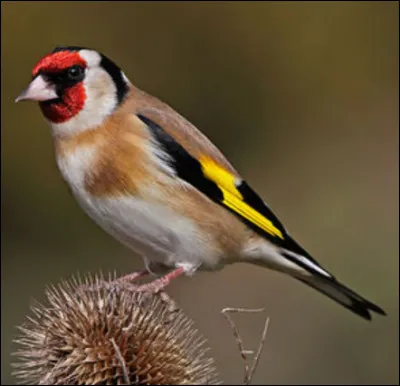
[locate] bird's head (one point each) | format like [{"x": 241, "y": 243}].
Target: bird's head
[{"x": 77, "y": 88}]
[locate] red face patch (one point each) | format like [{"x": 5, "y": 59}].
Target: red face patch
[
  {"x": 73, "y": 98},
  {"x": 59, "y": 61},
  {"x": 71, "y": 103}
]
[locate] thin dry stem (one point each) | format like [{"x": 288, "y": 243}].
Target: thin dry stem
[{"x": 248, "y": 372}]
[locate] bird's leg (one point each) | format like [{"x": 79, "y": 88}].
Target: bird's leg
[
  {"x": 159, "y": 284},
  {"x": 150, "y": 268},
  {"x": 134, "y": 275}
]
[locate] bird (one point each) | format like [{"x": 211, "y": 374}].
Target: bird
[{"x": 152, "y": 180}]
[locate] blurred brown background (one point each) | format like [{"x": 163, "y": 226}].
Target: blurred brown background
[{"x": 302, "y": 97}]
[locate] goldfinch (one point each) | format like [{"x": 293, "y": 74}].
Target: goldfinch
[{"x": 152, "y": 180}]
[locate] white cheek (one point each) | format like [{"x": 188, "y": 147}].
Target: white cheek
[
  {"x": 91, "y": 57},
  {"x": 101, "y": 100}
]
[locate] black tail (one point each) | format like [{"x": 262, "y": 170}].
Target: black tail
[{"x": 343, "y": 295}]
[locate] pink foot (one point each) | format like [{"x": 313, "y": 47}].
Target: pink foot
[
  {"x": 134, "y": 275},
  {"x": 159, "y": 284}
]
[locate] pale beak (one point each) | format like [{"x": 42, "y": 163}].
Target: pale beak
[{"x": 38, "y": 90}]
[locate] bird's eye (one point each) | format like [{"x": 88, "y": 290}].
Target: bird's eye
[{"x": 75, "y": 73}]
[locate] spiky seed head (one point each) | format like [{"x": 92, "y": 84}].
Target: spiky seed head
[{"x": 103, "y": 332}]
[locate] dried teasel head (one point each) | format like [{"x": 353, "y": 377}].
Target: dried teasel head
[{"x": 98, "y": 332}]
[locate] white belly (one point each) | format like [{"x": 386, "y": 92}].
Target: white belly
[{"x": 152, "y": 230}]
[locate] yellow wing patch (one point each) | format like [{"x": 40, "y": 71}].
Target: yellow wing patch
[{"x": 233, "y": 199}]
